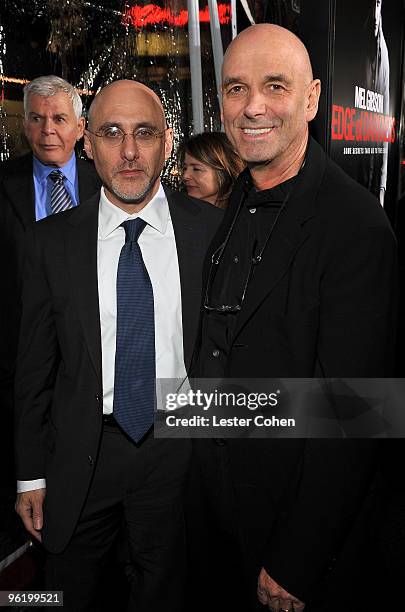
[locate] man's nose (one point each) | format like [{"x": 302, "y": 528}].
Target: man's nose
[
  {"x": 255, "y": 105},
  {"x": 129, "y": 147},
  {"x": 47, "y": 126}
]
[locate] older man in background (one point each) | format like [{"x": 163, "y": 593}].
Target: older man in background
[
  {"x": 51, "y": 178},
  {"x": 45, "y": 181}
]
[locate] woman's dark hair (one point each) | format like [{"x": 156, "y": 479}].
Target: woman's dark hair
[{"x": 214, "y": 150}]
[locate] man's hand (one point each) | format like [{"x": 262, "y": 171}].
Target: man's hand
[
  {"x": 29, "y": 507},
  {"x": 274, "y": 596}
]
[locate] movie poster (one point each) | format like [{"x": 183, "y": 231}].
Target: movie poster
[{"x": 365, "y": 105}]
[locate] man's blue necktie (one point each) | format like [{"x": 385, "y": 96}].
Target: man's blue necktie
[
  {"x": 60, "y": 198},
  {"x": 135, "y": 369}
]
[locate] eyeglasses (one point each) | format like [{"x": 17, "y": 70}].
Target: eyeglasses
[
  {"x": 224, "y": 308},
  {"x": 113, "y": 136},
  {"x": 254, "y": 261}
]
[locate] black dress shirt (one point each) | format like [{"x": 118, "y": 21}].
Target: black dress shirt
[{"x": 250, "y": 234}]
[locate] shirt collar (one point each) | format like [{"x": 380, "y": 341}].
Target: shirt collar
[
  {"x": 274, "y": 195},
  {"x": 156, "y": 214},
  {"x": 42, "y": 171}
]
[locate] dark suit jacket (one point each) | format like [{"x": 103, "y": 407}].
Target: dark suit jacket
[
  {"x": 17, "y": 212},
  {"x": 59, "y": 379},
  {"x": 321, "y": 303},
  {"x": 17, "y": 186}
]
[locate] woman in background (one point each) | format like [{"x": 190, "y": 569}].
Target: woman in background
[{"x": 209, "y": 167}]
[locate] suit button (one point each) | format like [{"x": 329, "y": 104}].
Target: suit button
[
  {"x": 90, "y": 459},
  {"x": 215, "y": 353},
  {"x": 97, "y": 397}
]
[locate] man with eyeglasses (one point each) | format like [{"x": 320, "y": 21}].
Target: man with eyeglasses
[
  {"x": 111, "y": 301},
  {"x": 300, "y": 281}
]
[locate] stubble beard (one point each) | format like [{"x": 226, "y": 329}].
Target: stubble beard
[
  {"x": 257, "y": 154},
  {"x": 261, "y": 156},
  {"x": 132, "y": 195}
]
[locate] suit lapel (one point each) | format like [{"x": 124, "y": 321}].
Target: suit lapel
[
  {"x": 190, "y": 243},
  {"x": 89, "y": 182},
  {"x": 288, "y": 236},
  {"x": 81, "y": 241},
  {"x": 20, "y": 191},
  {"x": 292, "y": 230}
]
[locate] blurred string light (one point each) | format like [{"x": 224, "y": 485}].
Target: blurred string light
[
  {"x": 12, "y": 80},
  {"x": 17, "y": 81}
]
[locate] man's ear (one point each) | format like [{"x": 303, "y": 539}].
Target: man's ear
[
  {"x": 221, "y": 104},
  {"x": 168, "y": 142},
  {"x": 81, "y": 125},
  {"x": 313, "y": 98},
  {"x": 87, "y": 146}
]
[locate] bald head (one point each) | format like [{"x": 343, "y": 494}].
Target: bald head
[
  {"x": 125, "y": 88},
  {"x": 273, "y": 39},
  {"x": 128, "y": 140},
  {"x": 268, "y": 97}
]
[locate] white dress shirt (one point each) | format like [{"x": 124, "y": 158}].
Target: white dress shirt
[{"x": 158, "y": 246}]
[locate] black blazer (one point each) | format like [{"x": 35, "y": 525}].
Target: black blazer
[
  {"x": 321, "y": 303},
  {"x": 58, "y": 378},
  {"x": 17, "y": 186},
  {"x": 17, "y": 212},
  {"x": 326, "y": 280}
]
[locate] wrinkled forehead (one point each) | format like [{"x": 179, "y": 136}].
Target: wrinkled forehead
[
  {"x": 259, "y": 67},
  {"x": 59, "y": 99}
]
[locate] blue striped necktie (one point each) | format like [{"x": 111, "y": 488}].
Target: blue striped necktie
[
  {"x": 60, "y": 198},
  {"x": 135, "y": 368}
]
